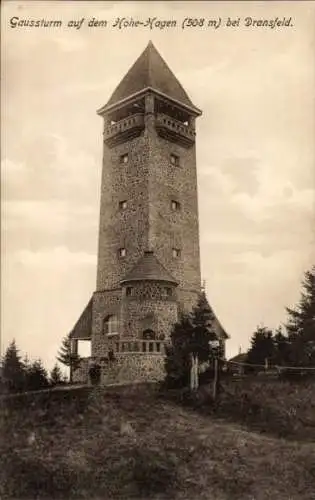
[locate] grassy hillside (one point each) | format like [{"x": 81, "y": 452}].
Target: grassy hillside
[
  {"x": 274, "y": 407},
  {"x": 126, "y": 443}
]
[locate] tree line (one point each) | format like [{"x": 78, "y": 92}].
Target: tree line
[
  {"x": 291, "y": 345},
  {"x": 19, "y": 374}
]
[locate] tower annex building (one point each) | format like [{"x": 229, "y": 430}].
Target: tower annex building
[{"x": 148, "y": 267}]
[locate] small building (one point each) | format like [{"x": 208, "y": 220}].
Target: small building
[{"x": 235, "y": 365}]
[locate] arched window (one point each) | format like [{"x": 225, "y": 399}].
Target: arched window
[
  {"x": 148, "y": 334},
  {"x": 111, "y": 325}
]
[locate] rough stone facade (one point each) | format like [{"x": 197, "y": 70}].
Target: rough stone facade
[
  {"x": 149, "y": 211},
  {"x": 137, "y": 367},
  {"x": 149, "y": 183},
  {"x": 127, "y": 228}
]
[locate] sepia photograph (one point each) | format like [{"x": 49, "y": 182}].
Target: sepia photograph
[{"x": 157, "y": 250}]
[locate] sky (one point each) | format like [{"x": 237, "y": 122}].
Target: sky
[{"x": 255, "y": 156}]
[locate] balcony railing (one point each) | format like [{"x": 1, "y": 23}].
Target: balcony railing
[
  {"x": 139, "y": 346},
  {"x": 124, "y": 130},
  {"x": 175, "y": 130}
]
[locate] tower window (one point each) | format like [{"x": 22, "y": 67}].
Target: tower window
[
  {"x": 168, "y": 291},
  {"x": 175, "y": 205},
  {"x": 123, "y": 205},
  {"x": 124, "y": 158},
  {"x": 176, "y": 253},
  {"x": 122, "y": 252},
  {"x": 174, "y": 159},
  {"x": 148, "y": 334},
  {"x": 129, "y": 291},
  {"x": 111, "y": 325}
]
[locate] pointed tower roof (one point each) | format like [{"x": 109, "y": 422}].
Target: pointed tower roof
[
  {"x": 150, "y": 71},
  {"x": 149, "y": 267}
]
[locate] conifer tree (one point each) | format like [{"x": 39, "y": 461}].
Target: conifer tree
[
  {"x": 190, "y": 336},
  {"x": 202, "y": 319},
  {"x": 262, "y": 347},
  {"x": 56, "y": 375},
  {"x": 37, "y": 376},
  {"x": 282, "y": 352},
  {"x": 301, "y": 324},
  {"x": 12, "y": 369},
  {"x": 67, "y": 357},
  {"x": 177, "y": 360},
  {"x": 26, "y": 368}
]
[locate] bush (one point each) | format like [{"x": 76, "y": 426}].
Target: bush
[
  {"x": 296, "y": 375},
  {"x": 154, "y": 472},
  {"x": 95, "y": 374}
]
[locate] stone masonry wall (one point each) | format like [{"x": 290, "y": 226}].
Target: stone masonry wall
[
  {"x": 148, "y": 183},
  {"x": 155, "y": 313},
  {"x": 125, "y": 368},
  {"x": 135, "y": 367},
  {"x": 126, "y": 228},
  {"x": 104, "y": 304},
  {"x": 148, "y": 307},
  {"x": 174, "y": 229}
]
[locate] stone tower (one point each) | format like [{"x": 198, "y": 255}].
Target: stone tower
[{"x": 148, "y": 253}]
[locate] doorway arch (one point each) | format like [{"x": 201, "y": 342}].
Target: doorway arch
[{"x": 148, "y": 334}]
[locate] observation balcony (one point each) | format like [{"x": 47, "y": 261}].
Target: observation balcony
[
  {"x": 124, "y": 130},
  {"x": 174, "y": 130},
  {"x": 129, "y": 347},
  {"x": 139, "y": 346}
]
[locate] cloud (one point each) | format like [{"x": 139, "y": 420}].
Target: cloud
[
  {"x": 51, "y": 169},
  {"x": 39, "y": 224},
  {"x": 55, "y": 258},
  {"x": 42, "y": 213}
]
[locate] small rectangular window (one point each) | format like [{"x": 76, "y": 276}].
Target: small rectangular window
[
  {"x": 122, "y": 252},
  {"x": 176, "y": 252},
  {"x": 123, "y": 205},
  {"x": 168, "y": 291},
  {"x": 174, "y": 160},
  {"x": 175, "y": 205},
  {"x": 129, "y": 291},
  {"x": 124, "y": 158}
]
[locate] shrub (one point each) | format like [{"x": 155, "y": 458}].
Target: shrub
[
  {"x": 154, "y": 472},
  {"x": 95, "y": 374}
]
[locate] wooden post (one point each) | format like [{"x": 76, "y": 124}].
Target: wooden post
[
  {"x": 196, "y": 372},
  {"x": 215, "y": 379},
  {"x": 191, "y": 372},
  {"x": 194, "y": 379},
  {"x": 73, "y": 352}
]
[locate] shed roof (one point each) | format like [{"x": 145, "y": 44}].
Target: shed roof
[{"x": 83, "y": 327}]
